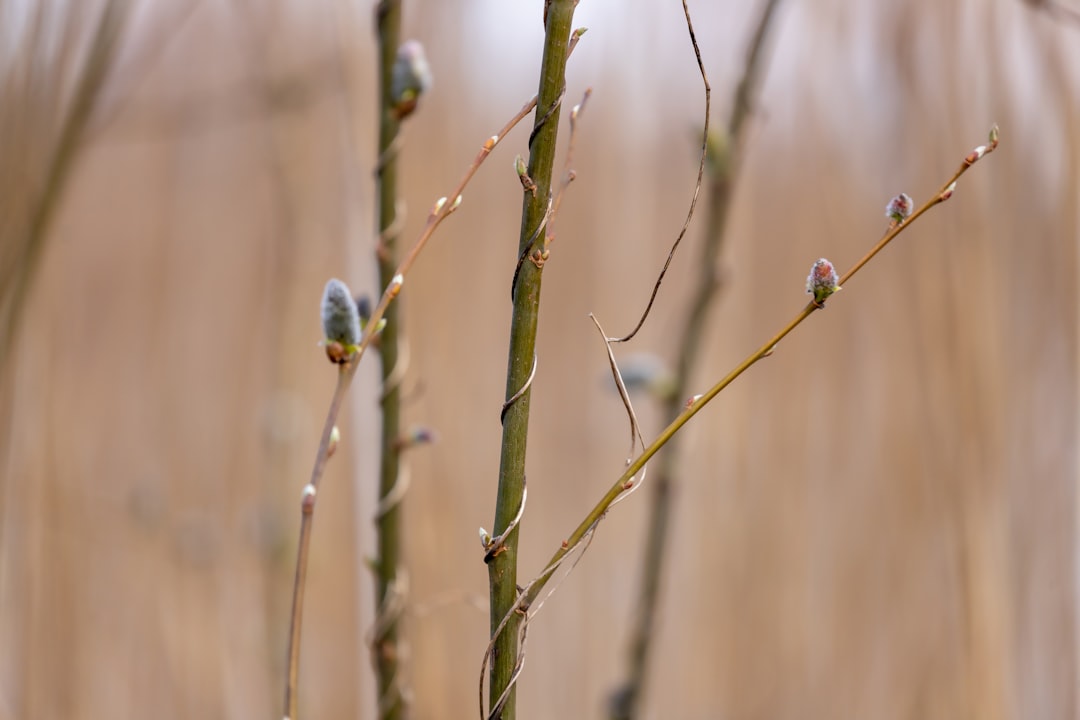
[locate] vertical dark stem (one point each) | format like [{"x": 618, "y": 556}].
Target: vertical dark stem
[
  {"x": 502, "y": 568},
  {"x": 385, "y": 651}
]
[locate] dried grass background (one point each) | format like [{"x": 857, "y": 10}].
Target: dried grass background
[{"x": 879, "y": 521}]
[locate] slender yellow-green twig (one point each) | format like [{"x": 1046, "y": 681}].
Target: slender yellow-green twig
[{"x": 626, "y": 480}]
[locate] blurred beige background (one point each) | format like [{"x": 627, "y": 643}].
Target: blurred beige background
[{"x": 880, "y": 521}]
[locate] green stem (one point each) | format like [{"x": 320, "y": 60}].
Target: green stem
[
  {"x": 385, "y": 650},
  {"x": 502, "y": 567}
]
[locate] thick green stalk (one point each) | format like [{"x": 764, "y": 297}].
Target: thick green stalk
[
  {"x": 502, "y": 567},
  {"x": 385, "y": 654}
]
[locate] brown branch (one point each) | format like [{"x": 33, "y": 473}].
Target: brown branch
[{"x": 697, "y": 185}]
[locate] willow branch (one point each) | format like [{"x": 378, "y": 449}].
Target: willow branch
[
  {"x": 347, "y": 371},
  {"x": 625, "y": 481},
  {"x": 506, "y": 662}
]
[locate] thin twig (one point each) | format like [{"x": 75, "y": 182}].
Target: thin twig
[
  {"x": 697, "y": 185},
  {"x": 346, "y": 374},
  {"x": 307, "y": 516},
  {"x": 520, "y": 392},
  {"x": 528, "y": 612},
  {"x": 442, "y": 209},
  {"x": 725, "y": 159},
  {"x": 495, "y": 545},
  {"x": 635, "y": 430},
  {"x": 568, "y": 166},
  {"x": 599, "y": 510}
]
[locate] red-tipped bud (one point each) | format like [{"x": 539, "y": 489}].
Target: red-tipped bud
[
  {"x": 899, "y": 208},
  {"x": 822, "y": 281}
]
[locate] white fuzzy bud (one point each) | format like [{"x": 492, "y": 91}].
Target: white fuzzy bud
[{"x": 340, "y": 318}]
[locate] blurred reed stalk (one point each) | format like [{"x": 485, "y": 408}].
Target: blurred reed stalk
[
  {"x": 502, "y": 555},
  {"x": 43, "y": 128},
  {"x": 725, "y": 154},
  {"x": 385, "y": 646}
]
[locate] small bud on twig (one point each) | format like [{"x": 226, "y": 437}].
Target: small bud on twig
[
  {"x": 340, "y": 321},
  {"x": 822, "y": 281},
  {"x": 416, "y": 436},
  {"x": 335, "y": 438},
  {"x": 395, "y": 285},
  {"x": 363, "y": 306},
  {"x": 523, "y": 175},
  {"x": 307, "y": 499},
  {"x": 410, "y": 78},
  {"x": 899, "y": 208}
]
